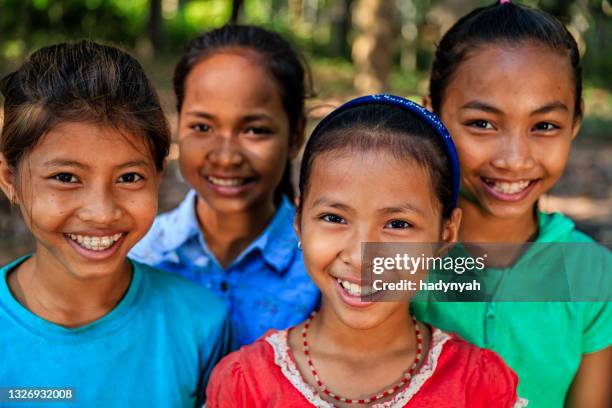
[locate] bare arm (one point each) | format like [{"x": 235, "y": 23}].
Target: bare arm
[{"x": 592, "y": 386}]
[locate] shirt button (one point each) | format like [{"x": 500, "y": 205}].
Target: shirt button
[{"x": 224, "y": 286}]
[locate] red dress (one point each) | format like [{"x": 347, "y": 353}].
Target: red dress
[{"x": 455, "y": 374}]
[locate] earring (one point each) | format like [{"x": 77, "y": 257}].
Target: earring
[{"x": 300, "y": 245}]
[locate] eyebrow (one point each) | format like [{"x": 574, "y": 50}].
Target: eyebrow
[
  {"x": 482, "y": 106},
  {"x": 72, "y": 163},
  {"x": 405, "y": 207},
  {"x": 201, "y": 114},
  {"x": 485, "y": 107},
  {"x": 329, "y": 203},
  {"x": 246, "y": 118},
  {"x": 556, "y": 105}
]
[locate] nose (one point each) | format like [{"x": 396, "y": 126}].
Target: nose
[
  {"x": 514, "y": 153},
  {"x": 226, "y": 152},
  {"x": 99, "y": 206},
  {"x": 351, "y": 252}
]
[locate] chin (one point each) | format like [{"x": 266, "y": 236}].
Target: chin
[
  {"x": 364, "y": 319},
  {"x": 510, "y": 212}
]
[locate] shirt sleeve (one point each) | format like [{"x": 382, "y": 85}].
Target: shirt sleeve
[
  {"x": 228, "y": 386},
  {"x": 597, "y": 328},
  {"x": 492, "y": 383}
]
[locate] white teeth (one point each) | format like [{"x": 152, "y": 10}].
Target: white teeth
[
  {"x": 353, "y": 289},
  {"x": 95, "y": 243},
  {"x": 226, "y": 182},
  {"x": 508, "y": 188}
]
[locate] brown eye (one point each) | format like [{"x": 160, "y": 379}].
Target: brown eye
[
  {"x": 130, "y": 178},
  {"x": 201, "y": 128},
  {"x": 333, "y": 218},
  {"x": 66, "y": 178},
  {"x": 545, "y": 127},
  {"x": 398, "y": 224},
  {"x": 481, "y": 124}
]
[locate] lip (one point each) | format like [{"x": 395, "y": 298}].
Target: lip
[
  {"x": 352, "y": 301},
  {"x": 96, "y": 255},
  {"x": 228, "y": 191},
  {"x": 96, "y": 233},
  {"x": 509, "y": 197}
]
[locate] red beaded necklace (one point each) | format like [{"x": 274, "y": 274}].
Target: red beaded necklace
[{"x": 405, "y": 377}]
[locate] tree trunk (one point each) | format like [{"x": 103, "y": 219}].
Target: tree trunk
[
  {"x": 237, "y": 6},
  {"x": 373, "y": 45},
  {"x": 156, "y": 33},
  {"x": 340, "y": 15}
]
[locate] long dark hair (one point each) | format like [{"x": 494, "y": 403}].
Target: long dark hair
[
  {"x": 278, "y": 58},
  {"x": 501, "y": 23}
]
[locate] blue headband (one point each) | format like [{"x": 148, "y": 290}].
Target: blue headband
[{"x": 429, "y": 118}]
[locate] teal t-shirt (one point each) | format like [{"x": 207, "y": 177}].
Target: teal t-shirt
[
  {"x": 155, "y": 348},
  {"x": 543, "y": 342}
]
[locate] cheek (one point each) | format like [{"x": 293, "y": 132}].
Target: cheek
[
  {"x": 472, "y": 156},
  {"x": 319, "y": 250},
  {"x": 142, "y": 205},
  {"x": 45, "y": 210},
  {"x": 554, "y": 159}
]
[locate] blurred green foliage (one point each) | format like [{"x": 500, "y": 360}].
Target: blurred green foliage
[{"x": 314, "y": 26}]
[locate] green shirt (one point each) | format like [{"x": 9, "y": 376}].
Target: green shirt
[{"x": 543, "y": 342}]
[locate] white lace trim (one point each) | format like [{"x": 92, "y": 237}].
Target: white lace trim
[
  {"x": 279, "y": 344},
  {"x": 521, "y": 403}
]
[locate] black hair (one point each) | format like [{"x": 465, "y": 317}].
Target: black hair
[
  {"x": 277, "y": 56},
  {"x": 389, "y": 128},
  {"x": 77, "y": 82},
  {"x": 501, "y": 23}
]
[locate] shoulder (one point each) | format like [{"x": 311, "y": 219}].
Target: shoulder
[
  {"x": 237, "y": 377},
  {"x": 488, "y": 379}
]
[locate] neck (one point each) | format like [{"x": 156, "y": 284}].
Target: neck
[
  {"x": 45, "y": 287},
  {"x": 227, "y": 235},
  {"x": 331, "y": 334},
  {"x": 478, "y": 226}
]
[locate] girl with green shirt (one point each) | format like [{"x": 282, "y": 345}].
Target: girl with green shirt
[{"x": 506, "y": 81}]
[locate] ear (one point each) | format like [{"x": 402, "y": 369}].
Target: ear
[
  {"x": 297, "y": 219},
  {"x": 8, "y": 180},
  {"x": 427, "y": 103},
  {"x": 450, "y": 229},
  {"x": 578, "y": 121},
  {"x": 297, "y": 139}
]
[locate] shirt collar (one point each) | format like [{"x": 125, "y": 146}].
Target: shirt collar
[
  {"x": 276, "y": 244},
  {"x": 183, "y": 223}
]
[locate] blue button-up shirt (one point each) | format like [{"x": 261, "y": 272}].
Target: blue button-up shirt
[{"x": 265, "y": 287}]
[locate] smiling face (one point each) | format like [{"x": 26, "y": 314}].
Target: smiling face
[
  {"x": 510, "y": 111},
  {"x": 234, "y": 132},
  {"x": 88, "y": 194},
  {"x": 345, "y": 206}
]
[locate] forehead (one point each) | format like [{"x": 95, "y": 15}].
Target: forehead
[
  {"x": 236, "y": 77},
  {"x": 531, "y": 74},
  {"x": 369, "y": 180},
  {"x": 91, "y": 144}
]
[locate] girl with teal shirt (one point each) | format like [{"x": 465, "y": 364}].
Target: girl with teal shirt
[
  {"x": 82, "y": 149},
  {"x": 506, "y": 81}
]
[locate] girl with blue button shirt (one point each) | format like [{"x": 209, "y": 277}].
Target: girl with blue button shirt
[
  {"x": 83, "y": 145},
  {"x": 240, "y": 97}
]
